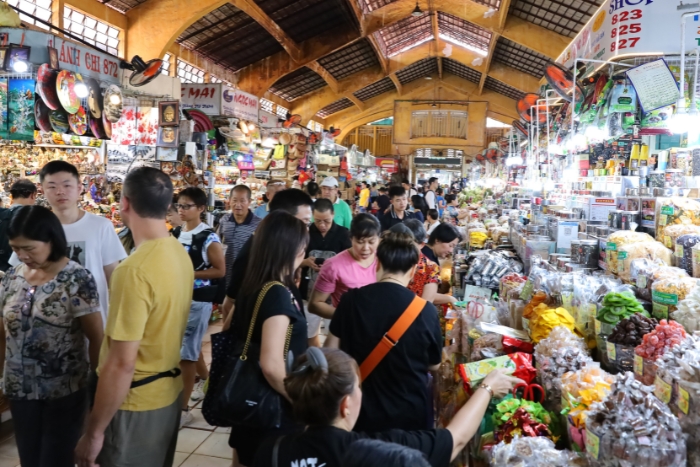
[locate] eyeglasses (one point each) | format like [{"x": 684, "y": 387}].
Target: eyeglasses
[
  {"x": 184, "y": 207},
  {"x": 26, "y": 310}
]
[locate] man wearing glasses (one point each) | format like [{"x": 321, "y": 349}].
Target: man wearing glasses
[
  {"x": 326, "y": 239},
  {"x": 342, "y": 212}
]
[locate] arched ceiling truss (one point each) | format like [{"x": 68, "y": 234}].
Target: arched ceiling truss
[{"x": 325, "y": 57}]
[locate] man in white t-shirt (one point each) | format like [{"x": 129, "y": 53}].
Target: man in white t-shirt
[
  {"x": 430, "y": 195},
  {"x": 92, "y": 241}
]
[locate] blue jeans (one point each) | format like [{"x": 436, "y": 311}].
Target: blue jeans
[{"x": 197, "y": 324}]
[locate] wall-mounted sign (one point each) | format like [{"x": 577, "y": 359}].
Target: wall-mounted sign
[
  {"x": 631, "y": 27},
  {"x": 655, "y": 85},
  {"x": 438, "y": 160},
  {"x": 219, "y": 99}
]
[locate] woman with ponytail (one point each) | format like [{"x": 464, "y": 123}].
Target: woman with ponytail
[
  {"x": 324, "y": 386},
  {"x": 396, "y": 391}
]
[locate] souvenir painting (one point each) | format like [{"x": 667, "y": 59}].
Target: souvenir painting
[
  {"x": 169, "y": 113},
  {"x": 65, "y": 87},
  {"x": 167, "y": 137},
  {"x": 94, "y": 98},
  {"x": 21, "y": 109},
  {"x": 59, "y": 121},
  {"x": 41, "y": 115},
  {"x": 96, "y": 128},
  {"x": 46, "y": 86},
  {"x": 3, "y": 108},
  {"x": 146, "y": 126},
  {"x": 113, "y": 103},
  {"x": 78, "y": 122},
  {"x": 53, "y": 58},
  {"x": 16, "y": 53},
  {"x": 124, "y": 130}
]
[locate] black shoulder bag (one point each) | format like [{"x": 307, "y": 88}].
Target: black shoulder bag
[{"x": 239, "y": 394}]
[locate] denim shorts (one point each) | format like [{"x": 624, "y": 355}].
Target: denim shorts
[{"x": 197, "y": 324}]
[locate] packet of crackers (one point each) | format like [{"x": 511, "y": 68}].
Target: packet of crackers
[{"x": 517, "y": 364}]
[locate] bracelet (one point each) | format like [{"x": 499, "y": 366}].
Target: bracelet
[{"x": 488, "y": 388}]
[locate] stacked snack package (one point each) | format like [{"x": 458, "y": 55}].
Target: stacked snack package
[
  {"x": 631, "y": 427},
  {"x": 684, "y": 251},
  {"x": 688, "y": 312},
  {"x": 520, "y": 417},
  {"x": 618, "y": 354},
  {"x": 559, "y": 353},
  {"x": 654, "y": 345},
  {"x": 618, "y": 239},
  {"x": 580, "y": 390},
  {"x": 676, "y": 211},
  {"x": 667, "y": 293},
  {"x": 585, "y": 296},
  {"x": 645, "y": 272},
  {"x": 545, "y": 319},
  {"x": 671, "y": 233},
  {"x": 684, "y": 365},
  {"x": 634, "y": 251},
  {"x": 531, "y": 452}
]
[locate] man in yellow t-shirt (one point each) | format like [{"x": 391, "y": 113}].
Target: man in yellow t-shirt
[
  {"x": 364, "y": 197},
  {"x": 137, "y": 408}
]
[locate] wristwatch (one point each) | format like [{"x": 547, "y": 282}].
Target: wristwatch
[{"x": 487, "y": 388}]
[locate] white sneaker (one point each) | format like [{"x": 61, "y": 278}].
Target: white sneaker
[
  {"x": 198, "y": 391},
  {"x": 185, "y": 418}
]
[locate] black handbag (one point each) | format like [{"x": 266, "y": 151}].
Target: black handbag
[{"x": 238, "y": 393}]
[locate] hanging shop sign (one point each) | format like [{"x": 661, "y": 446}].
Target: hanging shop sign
[
  {"x": 71, "y": 56},
  {"x": 631, "y": 27},
  {"x": 388, "y": 164},
  {"x": 268, "y": 120},
  {"x": 218, "y": 99}
]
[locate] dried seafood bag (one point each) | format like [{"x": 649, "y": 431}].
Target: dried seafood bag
[
  {"x": 684, "y": 251},
  {"x": 688, "y": 312},
  {"x": 649, "y": 250},
  {"x": 616, "y": 240},
  {"x": 676, "y": 210},
  {"x": 632, "y": 427},
  {"x": 667, "y": 293}
]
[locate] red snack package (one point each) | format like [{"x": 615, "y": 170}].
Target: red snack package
[{"x": 512, "y": 345}]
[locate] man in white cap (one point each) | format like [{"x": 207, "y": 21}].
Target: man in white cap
[{"x": 343, "y": 214}]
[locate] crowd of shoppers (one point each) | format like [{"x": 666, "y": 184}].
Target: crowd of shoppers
[{"x": 102, "y": 350}]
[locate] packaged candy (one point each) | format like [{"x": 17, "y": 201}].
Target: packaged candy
[
  {"x": 666, "y": 334},
  {"x": 667, "y": 293},
  {"x": 688, "y": 312},
  {"x": 530, "y": 452},
  {"x": 630, "y": 331},
  {"x": 520, "y": 417},
  {"x": 631, "y": 427}
]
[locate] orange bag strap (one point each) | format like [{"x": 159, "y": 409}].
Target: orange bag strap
[{"x": 391, "y": 338}]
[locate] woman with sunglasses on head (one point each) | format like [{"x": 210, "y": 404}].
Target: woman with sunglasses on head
[
  {"x": 324, "y": 386},
  {"x": 279, "y": 248},
  {"x": 207, "y": 255},
  {"x": 50, "y": 311}
]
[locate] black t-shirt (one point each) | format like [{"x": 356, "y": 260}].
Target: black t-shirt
[
  {"x": 383, "y": 202},
  {"x": 240, "y": 265},
  {"x": 390, "y": 219},
  {"x": 395, "y": 395},
  {"x": 429, "y": 253},
  {"x": 277, "y": 301},
  {"x": 326, "y": 446}
]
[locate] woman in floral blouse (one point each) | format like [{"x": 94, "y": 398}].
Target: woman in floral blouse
[{"x": 49, "y": 306}]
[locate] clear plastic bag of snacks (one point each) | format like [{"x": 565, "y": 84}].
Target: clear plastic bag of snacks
[
  {"x": 616, "y": 240},
  {"x": 641, "y": 270},
  {"x": 649, "y": 250},
  {"x": 530, "y": 452},
  {"x": 676, "y": 210},
  {"x": 683, "y": 253},
  {"x": 667, "y": 293},
  {"x": 664, "y": 272}
]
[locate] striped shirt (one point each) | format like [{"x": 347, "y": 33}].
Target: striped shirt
[{"x": 234, "y": 236}]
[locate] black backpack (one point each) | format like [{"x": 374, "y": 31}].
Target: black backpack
[
  {"x": 215, "y": 292},
  {"x": 6, "y": 215}
]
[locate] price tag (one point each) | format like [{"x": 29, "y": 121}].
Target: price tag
[
  {"x": 611, "y": 351},
  {"x": 592, "y": 444},
  {"x": 662, "y": 390},
  {"x": 668, "y": 210},
  {"x": 642, "y": 282},
  {"x": 684, "y": 401},
  {"x": 598, "y": 325},
  {"x": 663, "y": 219},
  {"x": 679, "y": 251},
  {"x": 638, "y": 365}
]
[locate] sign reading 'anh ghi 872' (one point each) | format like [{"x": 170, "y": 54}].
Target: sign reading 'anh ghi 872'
[{"x": 632, "y": 27}]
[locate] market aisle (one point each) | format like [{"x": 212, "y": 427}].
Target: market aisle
[{"x": 198, "y": 445}]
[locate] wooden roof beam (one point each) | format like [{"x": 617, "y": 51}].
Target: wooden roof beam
[
  {"x": 360, "y": 105},
  {"x": 327, "y": 77},
  {"x": 436, "y": 36},
  {"x": 383, "y": 61},
  {"x": 487, "y": 61},
  {"x": 397, "y": 83},
  {"x": 254, "y": 11}
]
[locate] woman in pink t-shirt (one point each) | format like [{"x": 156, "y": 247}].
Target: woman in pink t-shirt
[{"x": 351, "y": 269}]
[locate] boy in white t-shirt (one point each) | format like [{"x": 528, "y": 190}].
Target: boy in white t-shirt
[{"x": 92, "y": 241}]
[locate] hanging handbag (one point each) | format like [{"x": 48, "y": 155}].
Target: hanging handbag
[
  {"x": 238, "y": 393},
  {"x": 391, "y": 338}
]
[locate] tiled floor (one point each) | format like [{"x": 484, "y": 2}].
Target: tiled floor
[{"x": 198, "y": 444}]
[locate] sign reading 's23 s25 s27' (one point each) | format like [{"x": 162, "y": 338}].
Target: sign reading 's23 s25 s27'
[{"x": 632, "y": 27}]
